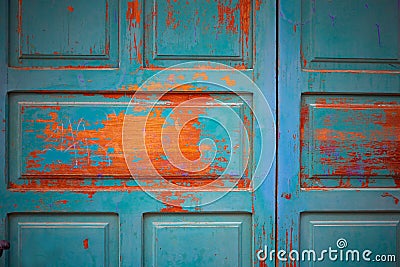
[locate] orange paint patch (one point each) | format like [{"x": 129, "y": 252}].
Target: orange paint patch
[
  {"x": 98, "y": 152},
  {"x": 171, "y": 20},
  {"x": 137, "y": 49},
  {"x": 303, "y": 58},
  {"x": 396, "y": 200},
  {"x": 229, "y": 81},
  {"x": 258, "y": 4},
  {"x": 70, "y": 9},
  {"x": 69, "y": 139},
  {"x": 86, "y": 243},
  {"x": 133, "y": 13},
  {"x": 364, "y": 151},
  {"x": 175, "y": 201},
  {"x": 226, "y": 17},
  {"x": 200, "y": 75},
  {"x": 19, "y": 16}
]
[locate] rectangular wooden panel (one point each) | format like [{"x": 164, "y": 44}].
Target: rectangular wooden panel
[
  {"x": 348, "y": 236},
  {"x": 74, "y": 33},
  {"x": 350, "y": 141},
  {"x": 345, "y": 35},
  {"x": 182, "y": 30},
  {"x": 197, "y": 240},
  {"x": 66, "y": 239},
  {"x": 62, "y": 139}
]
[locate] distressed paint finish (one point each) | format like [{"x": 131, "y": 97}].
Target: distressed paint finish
[
  {"x": 228, "y": 24},
  {"x": 67, "y": 195},
  {"x": 229, "y": 235},
  {"x": 350, "y": 141},
  {"x": 86, "y": 238},
  {"x": 70, "y": 137},
  {"x": 337, "y": 111}
]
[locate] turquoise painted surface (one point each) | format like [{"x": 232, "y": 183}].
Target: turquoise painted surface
[
  {"x": 61, "y": 34},
  {"x": 350, "y": 35},
  {"x": 84, "y": 69},
  {"x": 350, "y": 141},
  {"x": 197, "y": 240},
  {"x": 64, "y": 239},
  {"x": 345, "y": 92}
]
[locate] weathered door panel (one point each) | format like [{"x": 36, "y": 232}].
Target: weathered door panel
[
  {"x": 103, "y": 167},
  {"x": 338, "y": 126}
]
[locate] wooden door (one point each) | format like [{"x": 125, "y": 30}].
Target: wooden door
[
  {"x": 135, "y": 133},
  {"x": 339, "y": 119}
]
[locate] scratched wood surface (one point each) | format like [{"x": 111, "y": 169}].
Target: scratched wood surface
[{"x": 70, "y": 137}]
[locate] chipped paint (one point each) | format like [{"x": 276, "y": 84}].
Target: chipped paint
[
  {"x": 227, "y": 19},
  {"x": 133, "y": 13},
  {"x": 171, "y": 21},
  {"x": 353, "y": 145},
  {"x": 395, "y": 199},
  {"x": 229, "y": 81},
  {"x": 86, "y": 243},
  {"x": 63, "y": 202},
  {"x": 70, "y": 142}
]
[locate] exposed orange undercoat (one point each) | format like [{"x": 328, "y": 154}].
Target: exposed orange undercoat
[
  {"x": 133, "y": 13},
  {"x": 200, "y": 75},
  {"x": 303, "y": 58},
  {"x": 137, "y": 49},
  {"x": 258, "y": 4},
  {"x": 107, "y": 11},
  {"x": 171, "y": 21},
  {"x": 74, "y": 175},
  {"x": 229, "y": 81},
  {"x": 364, "y": 153},
  {"x": 105, "y": 137},
  {"x": 86, "y": 243},
  {"x": 175, "y": 201},
  {"x": 19, "y": 17},
  {"x": 226, "y": 18},
  {"x": 396, "y": 200}
]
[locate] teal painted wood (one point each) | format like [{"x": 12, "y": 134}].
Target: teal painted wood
[
  {"x": 72, "y": 39},
  {"x": 3, "y": 99},
  {"x": 228, "y": 40},
  {"x": 64, "y": 239},
  {"x": 371, "y": 41},
  {"x": 78, "y": 198},
  {"x": 378, "y": 232},
  {"x": 197, "y": 240},
  {"x": 350, "y": 141},
  {"x": 305, "y": 211}
]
